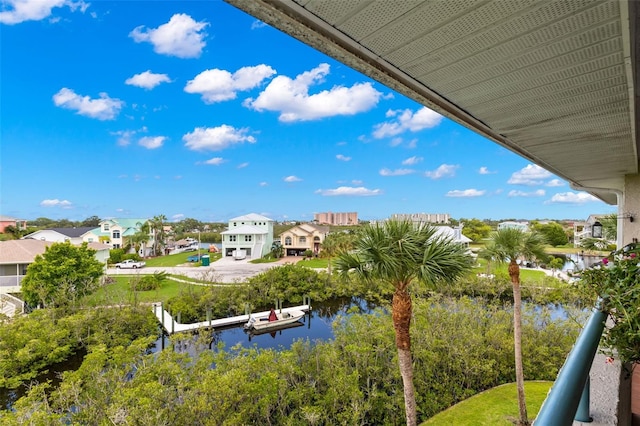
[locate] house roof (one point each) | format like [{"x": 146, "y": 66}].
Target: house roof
[
  {"x": 449, "y": 232},
  {"x": 67, "y": 232},
  {"x": 24, "y": 251},
  {"x": 251, "y": 217},
  {"x": 126, "y": 223},
  {"x": 306, "y": 229},
  {"x": 245, "y": 230}
]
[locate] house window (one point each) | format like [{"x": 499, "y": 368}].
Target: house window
[
  {"x": 303, "y": 240},
  {"x": 105, "y": 226},
  {"x": 287, "y": 241},
  {"x": 232, "y": 238},
  {"x": 316, "y": 239},
  {"x": 90, "y": 240},
  {"x": 115, "y": 246},
  {"x": 116, "y": 234},
  {"x": 247, "y": 238}
]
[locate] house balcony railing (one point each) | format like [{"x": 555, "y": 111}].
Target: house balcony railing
[{"x": 568, "y": 399}]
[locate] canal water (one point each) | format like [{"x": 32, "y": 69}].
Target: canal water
[{"x": 315, "y": 325}]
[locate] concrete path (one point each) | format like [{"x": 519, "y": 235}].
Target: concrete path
[{"x": 225, "y": 270}]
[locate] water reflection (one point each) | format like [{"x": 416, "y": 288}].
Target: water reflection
[{"x": 315, "y": 325}]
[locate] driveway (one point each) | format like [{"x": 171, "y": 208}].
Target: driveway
[{"x": 224, "y": 270}]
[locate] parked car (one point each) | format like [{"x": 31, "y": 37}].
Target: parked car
[{"x": 130, "y": 264}]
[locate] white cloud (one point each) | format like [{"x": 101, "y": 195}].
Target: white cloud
[
  {"x": 216, "y": 138},
  {"x": 357, "y": 182},
  {"x": 263, "y": 184},
  {"x": 343, "y": 158},
  {"x": 147, "y": 80},
  {"x": 181, "y": 36},
  {"x": 35, "y": 10},
  {"x": 554, "y": 183},
  {"x": 572, "y": 198},
  {"x": 65, "y": 204},
  {"x": 445, "y": 170},
  {"x": 291, "y": 98},
  {"x": 220, "y": 85},
  {"x": 537, "y": 193},
  {"x": 152, "y": 142},
  {"x": 124, "y": 136},
  {"x": 530, "y": 175},
  {"x": 412, "y": 161},
  {"x": 406, "y": 120},
  {"x": 177, "y": 217},
  {"x": 215, "y": 161},
  {"x": 396, "y": 172},
  {"x": 485, "y": 171},
  {"x": 466, "y": 193},
  {"x": 104, "y": 108},
  {"x": 349, "y": 191},
  {"x": 292, "y": 179},
  {"x": 243, "y": 165},
  {"x": 257, "y": 24}
]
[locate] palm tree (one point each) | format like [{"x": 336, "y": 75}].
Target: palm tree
[
  {"x": 399, "y": 252},
  {"x": 333, "y": 244},
  {"x": 510, "y": 245},
  {"x": 157, "y": 227}
]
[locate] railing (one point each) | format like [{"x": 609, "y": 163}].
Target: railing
[{"x": 565, "y": 400}]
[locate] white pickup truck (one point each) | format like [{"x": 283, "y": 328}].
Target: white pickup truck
[{"x": 130, "y": 264}]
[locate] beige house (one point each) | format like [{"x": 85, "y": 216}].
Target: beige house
[
  {"x": 17, "y": 255},
  {"x": 301, "y": 238}
]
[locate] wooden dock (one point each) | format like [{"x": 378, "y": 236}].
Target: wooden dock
[{"x": 172, "y": 326}]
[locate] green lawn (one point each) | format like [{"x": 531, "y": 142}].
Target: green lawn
[
  {"x": 120, "y": 293},
  {"x": 495, "y": 407},
  {"x": 179, "y": 259}
]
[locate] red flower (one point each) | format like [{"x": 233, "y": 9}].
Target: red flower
[{"x": 605, "y": 261}]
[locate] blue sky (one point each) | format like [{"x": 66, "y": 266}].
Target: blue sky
[{"x": 197, "y": 110}]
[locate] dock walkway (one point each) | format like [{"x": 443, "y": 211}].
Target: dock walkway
[{"x": 171, "y": 326}]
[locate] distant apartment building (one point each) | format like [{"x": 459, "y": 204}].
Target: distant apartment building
[
  {"x": 330, "y": 218},
  {"x": 523, "y": 226},
  {"x": 423, "y": 217}
]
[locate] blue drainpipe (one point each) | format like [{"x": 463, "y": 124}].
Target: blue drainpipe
[{"x": 559, "y": 409}]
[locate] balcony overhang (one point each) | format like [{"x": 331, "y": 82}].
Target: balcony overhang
[{"x": 554, "y": 82}]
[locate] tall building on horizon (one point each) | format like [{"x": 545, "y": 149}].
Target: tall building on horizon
[{"x": 330, "y": 218}]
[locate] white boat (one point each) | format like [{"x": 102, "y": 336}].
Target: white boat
[{"x": 262, "y": 322}]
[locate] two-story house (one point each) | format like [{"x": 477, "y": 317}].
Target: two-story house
[
  {"x": 115, "y": 233},
  {"x": 5, "y": 221},
  {"x": 252, "y": 233},
  {"x": 301, "y": 238}
]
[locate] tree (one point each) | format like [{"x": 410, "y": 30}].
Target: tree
[
  {"x": 399, "y": 252},
  {"x": 91, "y": 221},
  {"x": 475, "y": 229},
  {"x": 510, "y": 245},
  {"x": 157, "y": 228},
  {"x": 62, "y": 274},
  {"x": 554, "y": 233},
  {"x": 556, "y": 264},
  {"x": 334, "y": 243}
]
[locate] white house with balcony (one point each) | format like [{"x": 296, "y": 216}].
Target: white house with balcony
[
  {"x": 252, "y": 233},
  {"x": 510, "y": 224}
]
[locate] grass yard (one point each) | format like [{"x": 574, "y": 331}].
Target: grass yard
[
  {"x": 120, "y": 292},
  {"x": 179, "y": 259},
  {"x": 494, "y": 407}
]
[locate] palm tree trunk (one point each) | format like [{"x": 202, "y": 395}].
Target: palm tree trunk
[
  {"x": 514, "y": 273},
  {"x": 401, "y": 311}
]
